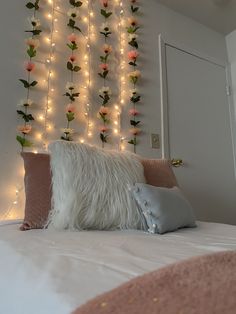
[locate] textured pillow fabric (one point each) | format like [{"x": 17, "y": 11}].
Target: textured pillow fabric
[
  {"x": 37, "y": 190},
  {"x": 158, "y": 172},
  {"x": 90, "y": 187},
  {"x": 165, "y": 209}
]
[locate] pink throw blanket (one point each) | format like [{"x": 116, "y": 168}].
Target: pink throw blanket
[{"x": 201, "y": 285}]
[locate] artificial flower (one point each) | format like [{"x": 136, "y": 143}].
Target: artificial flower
[
  {"x": 104, "y": 110},
  {"x": 134, "y": 76},
  {"x": 103, "y": 129},
  {"x": 104, "y": 27},
  {"x": 72, "y": 58},
  {"x": 104, "y": 3},
  {"x": 70, "y": 86},
  {"x": 34, "y": 21},
  {"x": 29, "y": 66},
  {"x": 133, "y": 22},
  {"x": 135, "y": 131},
  {"x": 133, "y": 1},
  {"x": 133, "y": 37},
  {"x": 133, "y": 112},
  {"x": 105, "y": 90},
  {"x": 72, "y": 38},
  {"x": 71, "y": 108},
  {"x": 104, "y": 66},
  {"x": 31, "y": 42},
  {"x": 25, "y": 129},
  {"x": 73, "y": 13},
  {"x": 133, "y": 55},
  {"x": 133, "y": 91},
  {"x": 67, "y": 131},
  {"x": 107, "y": 49},
  {"x": 25, "y": 103}
]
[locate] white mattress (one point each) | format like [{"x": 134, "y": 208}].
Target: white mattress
[{"x": 45, "y": 272}]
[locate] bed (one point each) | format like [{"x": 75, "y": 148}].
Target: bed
[{"x": 46, "y": 271}]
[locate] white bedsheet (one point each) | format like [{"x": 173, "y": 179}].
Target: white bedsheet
[{"x": 47, "y": 272}]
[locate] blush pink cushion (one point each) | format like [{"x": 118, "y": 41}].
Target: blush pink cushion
[
  {"x": 37, "y": 190},
  {"x": 158, "y": 172},
  {"x": 202, "y": 285}
]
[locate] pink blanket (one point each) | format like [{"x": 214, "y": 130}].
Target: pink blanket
[{"x": 202, "y": 285}]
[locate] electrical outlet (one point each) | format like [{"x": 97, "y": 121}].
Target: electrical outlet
[{"x": 155, "y": 141}]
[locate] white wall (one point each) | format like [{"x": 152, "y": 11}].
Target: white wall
[
  {"x": 231, "y": 47},
  {"x": 155, "y": 19}
]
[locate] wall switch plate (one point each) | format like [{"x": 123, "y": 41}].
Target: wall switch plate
[{"x": 155, "y": 141}]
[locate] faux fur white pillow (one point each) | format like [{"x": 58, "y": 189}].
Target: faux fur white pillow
[{"x": 90, "y": 187}]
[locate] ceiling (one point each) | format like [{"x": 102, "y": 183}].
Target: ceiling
[{"x": 219, "y": 15}]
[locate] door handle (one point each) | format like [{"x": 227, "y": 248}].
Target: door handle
[{"x": 177, "y": 163}]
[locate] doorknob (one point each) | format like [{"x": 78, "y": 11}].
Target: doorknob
[{"x": 177, "y": 163}]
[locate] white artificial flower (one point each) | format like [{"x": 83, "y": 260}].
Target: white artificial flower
[
  {"x": 25, "y": 103},
  {"x": 133, "y": 36},
  {"x": 34, "y": 21},
  {"x": 105, "y": 90},
  {"x": 67, "y": 131},
  {"x": 104, "y": 26},
  {"x": 73, "y": 13},
  {"x": 32, "y": 42},
  {"x": 134, "y": 91},
  {"x": 70, "y": 86}
]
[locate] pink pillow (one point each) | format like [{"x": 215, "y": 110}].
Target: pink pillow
[
  {"x": 37, "y": 190},
  {"x": 38, "y": 185},
  {"x": 158, "y": 172}
]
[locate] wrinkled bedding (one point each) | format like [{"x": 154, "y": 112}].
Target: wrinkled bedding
[{"x": 46, "y": 271}]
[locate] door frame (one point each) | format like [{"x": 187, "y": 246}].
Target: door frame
[{"x": 165, "y": 142}]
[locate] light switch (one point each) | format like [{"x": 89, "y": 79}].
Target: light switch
[{"x": 155, "y": 141}]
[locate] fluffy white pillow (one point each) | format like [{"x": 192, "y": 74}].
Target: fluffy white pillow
[{"x": 90, "y": 187}]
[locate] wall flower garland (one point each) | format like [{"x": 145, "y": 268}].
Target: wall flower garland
[
  {"x": 32, "y": 44},
  {"x": 134, "y": 75},
  {"x": 105, "y": 91},
  {"x": 72, "y": 66}
]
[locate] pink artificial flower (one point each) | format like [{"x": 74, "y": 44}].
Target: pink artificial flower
[
  {"x": 133, "y": 22},
  {"x": 103, "y": 129},
  {"x": 29, "y": 66},
  {"x": 133, "y": 1},
  {"x": 34, "y": 43},
  {"x": 72, "y": 38},
  {"x": 104, "y": 3},
  {"x": 104, "y": 110},
  {"x": 135, "y": 131},
  {"x": 25, "y": 129},
  {"x": 133, "y": 112},
  {"x": 71, "y": 108},
  {"x": 72, "y": 58},
  {"x": 104, "y": 66},
  {"x": 107, "y": 49},
  {"x": 133, "y": 55}
]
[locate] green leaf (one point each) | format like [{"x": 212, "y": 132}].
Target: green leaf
[
  {"x": 105, "y": 13},
  {"x": 31, "y": 52},
  {"x": 23, "y": 141},
  {"x": 133, "y": 64},
  {"x": 135, "y": 99},
  {"x": 103, "y": 137},
  {"x": 30, "y": 5},
  {"x": 72, "y": 25},
  {"x": 134, "y": 9},
  {"x": 35, "y": 32},
  {"x": 34, "y": 83},
  {"x": 134, "y": 123},
  {"x": 133, "y": 43},
  {"x": 69, "y": 66},
  {"x": 70, "y": 116},
  {"x": 133, "y": 142},
  {"x": 76, "y": 68},
  {"x": 25, "y": 83}
]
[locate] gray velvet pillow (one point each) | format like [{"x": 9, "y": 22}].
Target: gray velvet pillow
[{"x": 164, "y": 209}]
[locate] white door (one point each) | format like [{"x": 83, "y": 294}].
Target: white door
[{"x": 200, "y": 134}]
